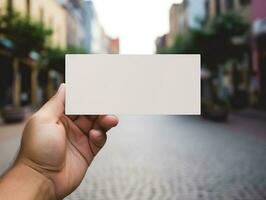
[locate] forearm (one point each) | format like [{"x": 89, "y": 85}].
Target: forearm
[{"x": 23, "y": 182}]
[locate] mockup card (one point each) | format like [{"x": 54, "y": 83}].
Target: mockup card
[{"x": 133, "y": 84}]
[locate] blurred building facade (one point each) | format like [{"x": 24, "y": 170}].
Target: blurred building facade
[
  {"x": 95, "y": 40},
  {"x": 114, "y": 46},
  {"x": 178, "y": 22},
  {"x": 21, "y": 74},
  {"x": 243, "y": 78},
  {"x": 189, "y": 13},
  {"x": 235, "y": 75},
  {"x": 196, "y": 12},
  {"x": 216, "y": 7},
  {"x": 259, "y": 44},
  {"x": 182, "y": 16},
  {"x": 74, "y": 22},
  {"x": 161, "y": 42},
  {"x": 48, "y": 12}
]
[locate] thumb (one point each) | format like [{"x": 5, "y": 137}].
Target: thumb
[{"x": 55, "y": 107}]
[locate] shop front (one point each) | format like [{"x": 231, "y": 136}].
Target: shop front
[{"x": 259, "y": 46}]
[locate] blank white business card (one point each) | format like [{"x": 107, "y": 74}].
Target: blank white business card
[{"x": 133, "y": 84}]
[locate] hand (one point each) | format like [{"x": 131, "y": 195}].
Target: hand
[{"x": 61, "y": 148}]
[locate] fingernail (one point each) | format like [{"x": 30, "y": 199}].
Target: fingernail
[{"x": 60, "y": 88}]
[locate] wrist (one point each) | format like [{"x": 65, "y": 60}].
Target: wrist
[{"x": 32, "y": 184}]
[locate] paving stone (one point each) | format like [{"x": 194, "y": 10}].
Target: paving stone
[{"x": 171, "y": 158}]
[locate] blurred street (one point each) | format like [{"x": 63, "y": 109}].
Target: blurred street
[
  {"x": 163, "y": 157},
  {"x": 148, "y": 157}
]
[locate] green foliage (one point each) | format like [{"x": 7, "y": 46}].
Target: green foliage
[
  {"x": 55, "y": 57},
  {"x": 213, "y": 40},
  {"x": 228, "y": 24},
  {"x": 26, "y": 35}
]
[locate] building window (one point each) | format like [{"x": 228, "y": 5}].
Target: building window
[
  {"x": 51, "y": 22},
  {"x": 207, "y": 9},
  {"x": 218, "y": 7},
  {"x": 229, "y": 5},
  {"x": 41, "y": 15},
  {"x": 245, "y": 2},
  {"x": 51, "y": 26},
  {"x": 9, "y": 6},
  {"x": 28, "y": 6},
  {"x": 185, "y": 3}
]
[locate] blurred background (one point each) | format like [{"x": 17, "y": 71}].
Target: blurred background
[{"x": 219, "y": 155}]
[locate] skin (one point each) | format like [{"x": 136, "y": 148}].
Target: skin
[{"x": 56, "y": 151}]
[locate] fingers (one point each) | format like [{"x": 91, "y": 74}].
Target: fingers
[
  {"x": 84, "y": 123},
  {"x": 95, "y": 127},
  {"x": 103, "y": 123},
  {"x": 106, "y": 122},
  {"x": 97, "y": 140},
  {"x": 75, "y": 117},
  {"x": 55, "y": 107},
  {"x": 72, "y": 117},
  {"x": 97, "y": 136}
]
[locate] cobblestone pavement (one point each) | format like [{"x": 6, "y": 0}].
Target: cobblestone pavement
[
  {"x": 9, "y": 144},
  {"x": 187, "y": 158},
  {"x": 179, "y": 158}
]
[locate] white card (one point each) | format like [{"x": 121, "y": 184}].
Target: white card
[{"x": 133, "y": 84}]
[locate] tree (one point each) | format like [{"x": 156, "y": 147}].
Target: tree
[
  {"x": 213, "y": 40},
  {"x": 222, "y": 31},
  {"x": 26, "y": 34},
  {"x": 54, "y": 58}
]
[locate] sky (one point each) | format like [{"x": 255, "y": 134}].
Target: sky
[{"x": 136, "y": 22}]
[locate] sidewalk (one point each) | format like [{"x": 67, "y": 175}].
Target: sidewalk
[
  {"x": 8, "y": 131},
  {"x": 10, "y": 136},
  {"x": 249, "y": 121},
  {"x": 252, "y": 114}
]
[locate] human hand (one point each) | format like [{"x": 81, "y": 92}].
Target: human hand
[{"x": 61, "y": 147}]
